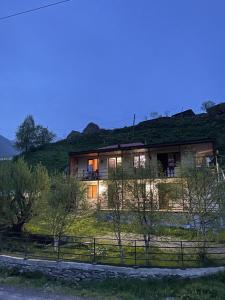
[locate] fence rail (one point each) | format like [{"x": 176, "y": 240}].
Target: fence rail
[
  {"x": 128, "y": 173},
  {"x": 159, "y": 253}
]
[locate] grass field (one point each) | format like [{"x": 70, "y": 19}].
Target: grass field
[
  {"x": 207, "y": 288},
  {"x": 91, "y": 226}
]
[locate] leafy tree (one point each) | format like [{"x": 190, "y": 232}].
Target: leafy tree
[
  {"x": 25, "y": 135},
  {"x": 154, "y": 115},
  {"x": 5, "y": 188},
  {"x": 65, "y": 202},
  {"x": 21, "y": 189},
  {"x": 30, "y": 135},
  {"x": 207, "y": 104},
  {"x": 43, "y": 136}
]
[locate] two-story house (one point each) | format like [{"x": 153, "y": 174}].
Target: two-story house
[{"x": 93, "y": 167}]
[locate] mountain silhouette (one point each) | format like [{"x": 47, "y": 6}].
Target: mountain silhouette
[{"x": 7, "y": 148}]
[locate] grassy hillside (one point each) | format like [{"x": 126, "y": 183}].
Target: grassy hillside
[{"x": 162, "y": 130}]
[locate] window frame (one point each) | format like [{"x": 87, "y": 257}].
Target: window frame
[
  {"x": 94, "y": 195},
  {"x": 117, "y": 165},
  {"x": 140, "y": 163}
]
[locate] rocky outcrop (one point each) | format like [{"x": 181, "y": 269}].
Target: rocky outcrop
[
  {"x": 91, "y": 128},
  {"x": 184, "y": 114},
  {"x": 73, "y": 135}
]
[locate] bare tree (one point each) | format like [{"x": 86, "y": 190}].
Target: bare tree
[
  {"x": 207, "y": 104},
  {"x": 154, "y": 115},
  {"x": 202, "y": 194},
  {"x": 115, "y": 203},
  {"x": 167, "y": 113},
  {"x": 141, "y": 193}
]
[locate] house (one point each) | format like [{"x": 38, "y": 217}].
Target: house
[{"x": 94, "y": 167}]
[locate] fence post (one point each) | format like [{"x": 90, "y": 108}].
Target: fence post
[
  {"x": 94, "y": 249},
  {"x": 26, "y": 247},
  {"x": 58, "y": 248},
  {"x": 135, "y": 253},
  {"x": 1, "y": 238},
  {"x": 182, "y": 254}
]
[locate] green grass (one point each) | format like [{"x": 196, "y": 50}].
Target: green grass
[
  {"x": 92, "y": 226},
  {"x": 85, "y": 226},
  {"x": 176, "y": 232},
  {"x": 220, "y": 236},
  {"x": 205, "y": 288}
]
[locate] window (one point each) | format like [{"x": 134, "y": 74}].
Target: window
[
  {"x": 139, "y": 161},
  {"x": 115, "y": 162},
  {"x": 93, "y": 164},
  {"x": 92, "y": 191}
]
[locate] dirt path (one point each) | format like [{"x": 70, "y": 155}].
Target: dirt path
[{"x": 12, "y": 293}]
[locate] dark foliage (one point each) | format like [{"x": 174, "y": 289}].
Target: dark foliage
[{"x": 163, "y": 130}]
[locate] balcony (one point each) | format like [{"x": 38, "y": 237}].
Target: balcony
[
  {"x": 129, "y": 173},
  {"x": 101, "y": 175},
  {"x": 157, "y": 171},
  {"x": 91, "y": 175}
]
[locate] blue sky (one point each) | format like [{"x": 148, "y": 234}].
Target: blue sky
[{"x": 103, "y": 60}]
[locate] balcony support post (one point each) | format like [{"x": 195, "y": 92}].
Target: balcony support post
[
  {"x": 98, "y": 198},
  {"x": 122, "y": 176}
]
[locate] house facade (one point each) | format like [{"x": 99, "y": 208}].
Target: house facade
[{"x": 95, "y": 168}]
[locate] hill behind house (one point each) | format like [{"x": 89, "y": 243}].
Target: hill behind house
[{"x": 178, "y": 128}]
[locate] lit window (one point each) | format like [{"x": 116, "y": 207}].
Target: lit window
[
  {"x": 112, "y": 162},
  {"x": 92, "y": 191},
  {"x": 142, "y": 161},
  {"x": 139, "y": 161},
  {"x": 119, "y": 161},
  {"x": 93, "y": 164},
  {"x": 136, "y": 161},
  {"x": 115, "y": 162}
]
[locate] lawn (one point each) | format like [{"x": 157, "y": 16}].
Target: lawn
[
  {"x": 85, "y": 226},
  {"x": 93, "y": 226},
  {"x": 207, "y": 288}
]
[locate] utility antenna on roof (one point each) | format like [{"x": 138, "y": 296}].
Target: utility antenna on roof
[{"x": 134, "y": 119}]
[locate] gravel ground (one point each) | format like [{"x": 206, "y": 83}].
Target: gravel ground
[{"x": 12, "y": 293}]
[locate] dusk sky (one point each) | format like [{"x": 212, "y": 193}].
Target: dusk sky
[{"x": 104, "y": 60}]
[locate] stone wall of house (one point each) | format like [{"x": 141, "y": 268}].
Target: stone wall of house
[{"x": 76, "y": 272}]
